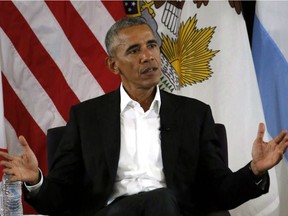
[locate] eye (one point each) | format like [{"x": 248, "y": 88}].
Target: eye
[
  {"x": 133, "y": 51},
  {"x": 152, "y": 45}
]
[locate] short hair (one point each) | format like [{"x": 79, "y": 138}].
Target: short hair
[{"x": 121, "y": 24}]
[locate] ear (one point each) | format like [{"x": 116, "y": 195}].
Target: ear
[{"x": 112, "y": 65}]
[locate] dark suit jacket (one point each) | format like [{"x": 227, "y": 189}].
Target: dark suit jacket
[{"x": 85, "y": 167}]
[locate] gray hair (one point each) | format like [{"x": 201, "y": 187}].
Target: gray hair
[{"x": 112, "y": 33}]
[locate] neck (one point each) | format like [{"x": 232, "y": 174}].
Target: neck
[{"x": 143, "y": 97}]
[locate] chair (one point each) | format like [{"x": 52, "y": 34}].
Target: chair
[
  {"x": 221, "y": 133},
  {"x": 54, "y": 136}
]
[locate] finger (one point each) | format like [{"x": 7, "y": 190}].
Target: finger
[
  {"x": 6, "y": 164},
  {"x": 8, "y": 171},
  {"x": 24, "y": 143},
  {"x": 6, "y": 155},
  {"x": 261, "y": 131},
  {"x": 14, "y": 178},
  {"x": 283, "y": 145},
  {"x": 280, "y": 137}
]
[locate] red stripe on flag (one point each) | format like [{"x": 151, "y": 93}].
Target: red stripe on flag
[
  {"x": 24, "y": 124},
  {"x": 36, "y": 58},
  {"x": 115, "y": 8},
  {"x": 85, "y": 43}
]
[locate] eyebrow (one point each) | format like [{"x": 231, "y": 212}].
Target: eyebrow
[{"x": 152, "y": 41}]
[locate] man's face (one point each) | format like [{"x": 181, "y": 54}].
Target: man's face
[{"x": 137, "y": 58}]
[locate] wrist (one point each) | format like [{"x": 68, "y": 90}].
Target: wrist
[
  {"x": 35, "y": 180},
  {"x": 255, "y": 171}
]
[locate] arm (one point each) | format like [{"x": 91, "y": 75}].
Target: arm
[
  {"x": 265, "y": 155},
  {"x": 232, "y": 189}
]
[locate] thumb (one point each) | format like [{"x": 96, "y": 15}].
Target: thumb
[
  {"x": 23, "y": 142},
  {"x": 261, "y": 131}
]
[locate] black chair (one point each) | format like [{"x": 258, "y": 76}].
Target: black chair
[
  {"x": 54, "y": 136},
  {"x": 221, "y": 133}
]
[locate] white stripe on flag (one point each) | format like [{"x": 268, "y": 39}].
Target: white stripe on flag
[
  {"x": 75, "y": 72},
  {"x": 30, "y": 92},
  {"x": 12, "y": 137},
  {"x": 3, "y": 143},
  {"x": 96, "y": 16}
]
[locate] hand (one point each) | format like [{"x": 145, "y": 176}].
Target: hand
[
  {"x": 267, "y": 155},
  {"x": 22, "y": 168}
]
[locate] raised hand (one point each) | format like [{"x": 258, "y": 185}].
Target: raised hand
[
  {"x": 22, "y": 168},
  {"x": 267, "y": 154}
]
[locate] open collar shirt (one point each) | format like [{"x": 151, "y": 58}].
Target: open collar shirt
[{"x": 140, "y": 165}]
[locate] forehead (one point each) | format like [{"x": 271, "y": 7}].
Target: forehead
[{"x": 134, "y": 35}]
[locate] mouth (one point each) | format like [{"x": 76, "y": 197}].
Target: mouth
[{"x": 148, "y": 70}]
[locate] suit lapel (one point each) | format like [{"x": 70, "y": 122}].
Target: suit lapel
[
  {"x": 169, "y": 134},
  {"x": 110, "y": 121}
]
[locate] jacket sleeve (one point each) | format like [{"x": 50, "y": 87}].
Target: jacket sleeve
[{"x": 224, "y": 188}]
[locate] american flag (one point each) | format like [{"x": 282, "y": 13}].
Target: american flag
[{"x": 52, "y": 56}]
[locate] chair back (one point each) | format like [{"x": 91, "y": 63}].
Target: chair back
[
  {"x": 54, "y": 136},
  {"x": 222, "y": 136}
]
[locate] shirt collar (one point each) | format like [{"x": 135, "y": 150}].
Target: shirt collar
[{"x": 126, "y": 100}]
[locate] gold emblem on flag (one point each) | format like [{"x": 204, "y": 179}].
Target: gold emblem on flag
[
  {"x": 185, "y": 53},
  {"x": 189, "y": 54}
]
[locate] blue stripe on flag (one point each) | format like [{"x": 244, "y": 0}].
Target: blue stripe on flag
[{"x": 272, "y": 75}]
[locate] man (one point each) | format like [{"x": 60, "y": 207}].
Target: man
[{"x": 139, "y": 150}]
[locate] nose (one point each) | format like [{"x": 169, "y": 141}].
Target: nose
[{"x": 146, "y": 55}]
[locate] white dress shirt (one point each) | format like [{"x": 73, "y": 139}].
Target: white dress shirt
[{"x": 140, "y": 165}]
